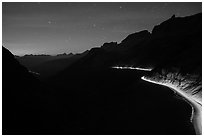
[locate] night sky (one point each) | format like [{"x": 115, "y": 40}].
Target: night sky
[{"x": 53, "y": 28}]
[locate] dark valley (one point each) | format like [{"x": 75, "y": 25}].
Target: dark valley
[{"x": 82, "y": 94}]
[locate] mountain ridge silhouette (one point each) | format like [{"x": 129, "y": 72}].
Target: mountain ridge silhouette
[
  {"x": 150, "y": 49},
  {"x": 89, "y": 97}
]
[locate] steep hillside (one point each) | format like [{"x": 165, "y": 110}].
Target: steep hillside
[{"x": 27, "y": 106}]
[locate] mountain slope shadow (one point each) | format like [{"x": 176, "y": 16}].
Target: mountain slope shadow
[{"x": 28, "y": 106}]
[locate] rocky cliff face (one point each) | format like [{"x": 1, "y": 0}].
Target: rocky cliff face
[
  {"x": 189, "y": 84},
  {"x": 182, "y": 64}
]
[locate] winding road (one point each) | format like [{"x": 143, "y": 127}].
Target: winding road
[
  {"x": 196, "y": 117},
  {"x": 196, "y": 104}
]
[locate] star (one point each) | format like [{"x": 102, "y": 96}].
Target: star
[
  {"x": 94, "y": 25},
  {"x": 49, "y": 22},
  {"x": 120, "y": 7}
]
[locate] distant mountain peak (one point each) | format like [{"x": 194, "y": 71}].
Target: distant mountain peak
[
  {"x": 173, "y": 16},
  {"x": 136, "y": 38},
  {"x": 65, "y": 54},
  {"x": 30, "y": 55},
  {"x": 109, "y": 46},
  {"x": 179, "y": 26}
]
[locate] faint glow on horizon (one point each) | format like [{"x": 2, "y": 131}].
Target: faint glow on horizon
[{"x": 47, "y": 25}]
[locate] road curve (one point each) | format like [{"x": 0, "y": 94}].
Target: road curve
[{"x": 196, "y": 117}]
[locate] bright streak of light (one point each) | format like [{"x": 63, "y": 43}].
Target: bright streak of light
[
  {"x": 196, "y": 117},
  {"x": 174, "y": 87},
  {"x": 143, "y": 69},
  {"x": 34, "y": 72}
]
